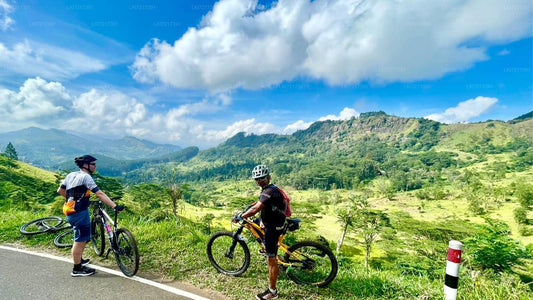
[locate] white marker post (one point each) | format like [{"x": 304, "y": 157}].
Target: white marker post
[{"x": 451, "y": 280}]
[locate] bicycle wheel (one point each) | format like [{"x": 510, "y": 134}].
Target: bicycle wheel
[
  {"x": 127, "y": 254},
  {"x": 311, "y": 263},
  {"x": 98, "y": 235},
  {"x": 227, "y": 255},
  {"x": 41, "y": 225},
  {"x": 65, "y": 238}
]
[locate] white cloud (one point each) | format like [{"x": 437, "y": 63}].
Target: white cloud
[
  {"x": 339, "y": 41},
  {"x": 251, "y": 126},
  {"x": 50, "y": 62},
  {"x": 5, "y": 19},
  {"x": 36, "y": 102},
  {"x": 346, "y": 114},
  {"x": 465, "y": 110},
  {"x": 298, "y": 125},
  {"x": 504, "y": 52}
]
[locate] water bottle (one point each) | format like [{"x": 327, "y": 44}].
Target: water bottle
[{"x": 108, "y": 229}]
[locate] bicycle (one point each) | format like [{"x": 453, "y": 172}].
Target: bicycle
[
  {"x": 51, "y": 224},
  {"x": 305, "y": 262},
  {"x": 121, "y": 241}
]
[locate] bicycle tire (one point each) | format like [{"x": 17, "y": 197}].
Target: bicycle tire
[
  {"x": 65, "y": 239},
  {"x": 127, "y": 254},
  {"x": 41, "y": 225},
  {"x": 319, "y": 267},
  {"x": 234, "y": 264},
  {"x": 98, "y": 235}
]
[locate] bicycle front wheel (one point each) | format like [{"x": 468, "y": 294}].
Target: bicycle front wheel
[
  {"x": 41, "y": 225},
  {"x": 98, "y": 235},
  {"x": 126, "y": 253},
  {"x": 228, "y": 255},
  {"x": 311, "y": 263},
  {"x": 65, "y": 239}
]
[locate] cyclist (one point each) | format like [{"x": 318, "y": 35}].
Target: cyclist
[
  {"x": 77, "y": 186},
  {"x": 271, "y": 205}
]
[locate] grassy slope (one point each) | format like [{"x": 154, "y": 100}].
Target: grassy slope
[{"x": 163, "y": 242}]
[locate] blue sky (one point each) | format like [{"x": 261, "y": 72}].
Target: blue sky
[{"x": 197, "y": 72}]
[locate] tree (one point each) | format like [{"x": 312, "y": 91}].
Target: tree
[
  {"x": 369, "y": 223},
  {"x": 11, "y": 152},
  {"x": 345, "y": 217},
  {"x": 175, "y": 192}
]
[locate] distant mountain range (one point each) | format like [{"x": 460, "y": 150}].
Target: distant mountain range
[
  {"x": 47, "y": 148},
  {"x": 327, "y": 151}
]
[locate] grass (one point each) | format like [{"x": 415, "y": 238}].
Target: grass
[{"x": 176, "y": 248}]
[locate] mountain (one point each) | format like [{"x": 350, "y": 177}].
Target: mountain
[
  {"x": 346, "y": 154},
  {"x": 48, "y": 147},
  {"x": 326, "y": 155}
]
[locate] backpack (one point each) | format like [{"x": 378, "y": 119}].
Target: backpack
[{"x": 288, "y": 211}]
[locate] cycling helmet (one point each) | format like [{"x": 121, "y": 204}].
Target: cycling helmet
[
  {"x": 260, "y": 171},
  {"x": 85, "y": 159}
]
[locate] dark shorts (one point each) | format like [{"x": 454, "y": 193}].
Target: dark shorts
[
  {"x": 272, "y": 233},
  {"x": 81, "y": 223}
]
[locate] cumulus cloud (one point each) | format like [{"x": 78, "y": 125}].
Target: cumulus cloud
[
  {"x": 242, "y": 44},
  {"x": 5, "y": 19},
  {"x": 35, "y": 59},
  {"x": 346, "y": 114},
  {"x": 298, "y": 125},
  {"x": 113, "y": 113},
  {"x": 465, "y": 110},
  {"x": 251, "y": 126},
  {"x": 37, "y": 101}
]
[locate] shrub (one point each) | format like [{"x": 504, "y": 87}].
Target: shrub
[{"x": 493, "y": 248}]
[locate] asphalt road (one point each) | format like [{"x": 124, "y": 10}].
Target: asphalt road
[{"x": 27, "y": 276}]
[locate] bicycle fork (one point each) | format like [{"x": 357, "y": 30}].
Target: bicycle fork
[{"x": 236, "y": 238}]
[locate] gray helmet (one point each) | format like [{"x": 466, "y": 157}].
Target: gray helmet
[{"x": 260, "y": 171}]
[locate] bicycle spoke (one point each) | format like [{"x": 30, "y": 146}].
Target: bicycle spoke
[
  {"x": 227, "y": 255},
  {"x": 311, "y": 263},
  {"x": 127, "y": 253}
]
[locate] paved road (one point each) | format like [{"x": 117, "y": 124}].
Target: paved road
[{"x": 27, "y": 276}]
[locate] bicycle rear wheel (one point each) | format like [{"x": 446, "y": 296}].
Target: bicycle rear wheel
[
  {"x": 65, "y": 239},
  {"x": 227, "y": 255},
  {"x": 98, "y": 235},
  {"x": 127, "y": 254},
  {"x": 41, "y": 225},
  {"x": 311, "y": 263}
]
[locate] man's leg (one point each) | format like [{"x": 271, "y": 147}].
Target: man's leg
[
  {"x": 77, "y": 252},
  {"x": 273, "y": 271}
]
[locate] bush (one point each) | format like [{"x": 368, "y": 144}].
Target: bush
[{"x": 493, "y": 248}]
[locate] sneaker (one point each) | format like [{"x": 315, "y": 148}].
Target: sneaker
[
  {"x": 85, "y": 271},
  {"x": 85, "y": 262},
  {"x": 262, "y": 252},
  {"x": 266, "y": 295}
]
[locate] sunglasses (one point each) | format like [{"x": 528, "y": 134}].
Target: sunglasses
[
  {"x": 261, "y": 178},
  {"x": 92, "y": 164}
]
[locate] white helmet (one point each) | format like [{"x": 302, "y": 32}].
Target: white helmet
[{"x": 260, "y": 171}]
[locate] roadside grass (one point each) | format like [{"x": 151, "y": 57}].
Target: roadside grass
[{"x": 176, "y": 249}]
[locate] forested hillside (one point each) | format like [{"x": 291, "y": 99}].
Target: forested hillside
[{"x": 346, "y": 154}]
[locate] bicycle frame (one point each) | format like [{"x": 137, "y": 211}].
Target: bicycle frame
[
  {"x": 110, "y": 225},
  {"x": 259, "y": 233}
]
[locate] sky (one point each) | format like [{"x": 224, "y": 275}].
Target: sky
[{"x": 195, "y": 73}]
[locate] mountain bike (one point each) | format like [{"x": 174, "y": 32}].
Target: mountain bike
[
  {"x": 305, "y": 262},
  {"x": 51, "y": 224},
  {"x": 121, "y": 241}
]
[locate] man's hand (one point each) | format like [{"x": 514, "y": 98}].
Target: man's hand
[{"x": 237, "y": 218}]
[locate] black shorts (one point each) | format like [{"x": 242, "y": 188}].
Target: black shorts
[{"x": 272, "y": 233}]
